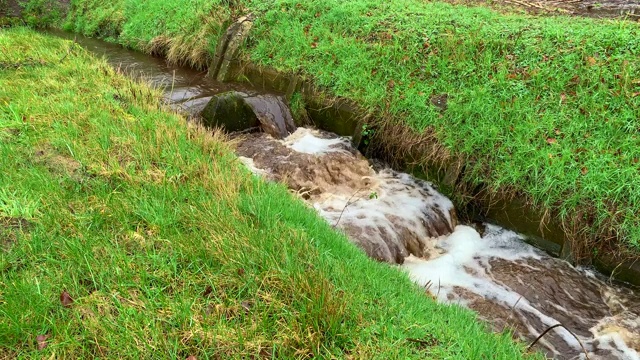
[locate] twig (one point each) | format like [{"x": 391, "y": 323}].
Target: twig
[
  {"x": 345, "y": 207},
  {"x": 514, "y": 306},
  {"x": 570, "y": 332},
  {"x": 422, "y": 342},
  {"x": 75, "y": 41}
]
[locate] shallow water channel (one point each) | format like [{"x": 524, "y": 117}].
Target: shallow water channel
[{"x": 397, "y": 218}]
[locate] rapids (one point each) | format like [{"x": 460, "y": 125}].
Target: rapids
[{"x": 509, "y": 283}]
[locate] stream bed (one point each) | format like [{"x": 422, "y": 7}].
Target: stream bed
[{"x": 402, "y": 220}]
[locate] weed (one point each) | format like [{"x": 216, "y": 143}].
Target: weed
[{"x": 367, "y": 133}]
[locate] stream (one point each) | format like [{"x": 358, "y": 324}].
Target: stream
[{"x": 402, "y": 220}]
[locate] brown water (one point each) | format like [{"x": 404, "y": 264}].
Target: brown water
[{"x": 399, "y": 219}]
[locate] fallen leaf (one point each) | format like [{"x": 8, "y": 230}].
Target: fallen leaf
[
  {"x": 391, "y": 84},
  {"x": 246, "y": 305},
  {"x": 42, "y": 341},
  {"x": 66, "y": 299},
  {"x": 551, "y": 141},
  {"x": 314, "y": 45},
  {"x": 584, "y": 170},
  {"x": 591, "y": 61}
]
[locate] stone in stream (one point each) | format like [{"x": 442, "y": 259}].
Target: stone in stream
[
  {"x": 237, "y": 111},
  {"x": 388, "y": 214}
]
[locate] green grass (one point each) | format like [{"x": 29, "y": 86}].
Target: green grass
[
  {"x": 543, "y": 108},
  {"x": 168, "y": 246},
  {"x": 185, "y": 31}
]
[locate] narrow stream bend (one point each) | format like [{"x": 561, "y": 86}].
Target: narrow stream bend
[{"x": 397, "y": 218}]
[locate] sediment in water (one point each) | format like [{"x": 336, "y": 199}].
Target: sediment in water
[
  {"x": 567, "y": 238},
  {"x": 501, "y": 271},
  {"x": 399, "y": 219},
  {"x": 388, "y": 214}
]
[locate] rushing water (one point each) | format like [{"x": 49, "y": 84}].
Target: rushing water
[
  {"x": 399, "y": 219},
  {"x": 507, "y": 281}
]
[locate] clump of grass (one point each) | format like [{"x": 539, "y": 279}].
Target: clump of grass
[
  {"x": 298, "y": 109},
  {"x": 185, "y": 31},
  {"x": 151, "y": 238}
]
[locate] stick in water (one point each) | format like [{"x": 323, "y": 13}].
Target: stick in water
[{"x": 570, "y": 332}]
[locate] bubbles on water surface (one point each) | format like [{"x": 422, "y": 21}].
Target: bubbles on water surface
[
  {"x": 514, "y": 286},
  {"x": 509, "y": 283}
]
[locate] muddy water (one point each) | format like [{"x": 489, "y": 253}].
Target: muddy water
[
  {"x": 399, "y": 219},
  {"x": 389, "y": 215},
  {"x": 508, "y": 282}
]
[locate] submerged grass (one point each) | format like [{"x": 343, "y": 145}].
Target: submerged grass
[
  {"x": 543, "y": 108},
  {"x": 132, "y": 234}
]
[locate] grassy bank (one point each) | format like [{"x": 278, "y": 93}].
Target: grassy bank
[
  {"x": 544, "y": 109},
  {"x": 125, "y": 232}
]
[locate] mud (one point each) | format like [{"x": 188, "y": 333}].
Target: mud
[{"x": 625, "y": 9}]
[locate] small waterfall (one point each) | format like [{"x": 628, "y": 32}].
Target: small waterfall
[
  {"x": 396, "y": 218},
  {"x": 389, "y": 215}
]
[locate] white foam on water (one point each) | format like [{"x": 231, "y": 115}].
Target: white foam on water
[
  {"x": 617, "y": 334},
  {"x": 249, "y": 164},
  {"x": 392, "y": 202},
  {"x": 307, "y": 141},
  {"x": 465, "y": 264}
]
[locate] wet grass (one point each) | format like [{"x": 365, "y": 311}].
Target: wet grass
[
  {"x": 133, "y": 234},
  {"x": 542, "y": 108},
  {"x": 185, "y": 31}
]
